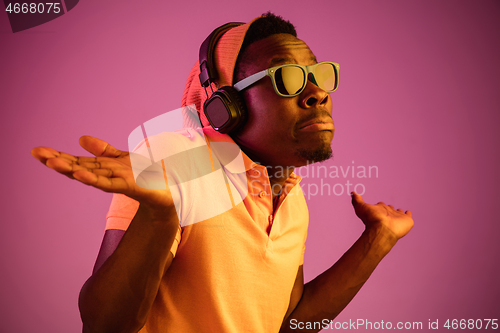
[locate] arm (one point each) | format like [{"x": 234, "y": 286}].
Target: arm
[
  {"x": 119, "y": 294},
  {"x": 329, "y": 293},
  {"x": 109, "y": 244}
]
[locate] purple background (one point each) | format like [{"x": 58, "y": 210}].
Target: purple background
[{"x": 418, "y": 98}]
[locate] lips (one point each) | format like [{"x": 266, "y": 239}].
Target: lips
[{"x": 318, "y": 124}]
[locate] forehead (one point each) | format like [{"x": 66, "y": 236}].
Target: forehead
[{"x": 280, "y": 49}]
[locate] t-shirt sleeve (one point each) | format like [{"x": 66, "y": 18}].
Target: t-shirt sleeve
[{"x": 122, "y": 211}]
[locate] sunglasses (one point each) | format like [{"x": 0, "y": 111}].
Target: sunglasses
[{"x": 291, "y": 79}]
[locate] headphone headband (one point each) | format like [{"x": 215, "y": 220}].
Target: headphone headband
[
  {"x": 208, "y": 73},
  {"x": 224, "y": 109}
]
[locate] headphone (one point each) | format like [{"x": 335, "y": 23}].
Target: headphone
[{"x": 225, "y": 109}]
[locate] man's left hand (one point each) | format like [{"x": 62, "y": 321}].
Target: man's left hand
[{"x": 397, "y": 221}]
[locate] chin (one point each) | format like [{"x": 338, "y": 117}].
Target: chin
[{"x": 319, "y": 154}]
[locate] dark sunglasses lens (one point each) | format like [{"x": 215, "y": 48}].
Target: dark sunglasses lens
[
  {"x": 289, "y": 80},
  {"x": 324, "y": 75}
]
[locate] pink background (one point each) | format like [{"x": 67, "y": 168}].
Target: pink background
[{"x": 418, "y": 98}]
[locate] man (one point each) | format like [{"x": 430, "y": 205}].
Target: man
[{"x": 239, "y": 271}]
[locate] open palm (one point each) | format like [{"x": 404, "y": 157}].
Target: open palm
[
  {"x": 110, "y": 170},
  {"x": 397, "y": 221}
]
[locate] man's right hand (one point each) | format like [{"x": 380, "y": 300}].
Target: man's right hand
[{"x": 110, "y": 171}]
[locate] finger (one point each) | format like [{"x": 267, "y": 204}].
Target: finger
[
  {"x": 108, "y": 173},
  {"x": 66, "y": 167},
  {"x": 44, "y": 153},
  {"x": 100, "y": 163},
  {"x": 408, "y": 213},
  {"x": 400, "y": 210},
  {"x": 60, "y": 165},
  {"x": 90, "y": 163},
  {"x": 99, "y": 147},
  {"x": 68, "y": 157},
  {"x": 392, "y": 207},
  {"x": 356, "y": 199},
  {"x": 101, "y": 182},
  {"x": 87, "y": 177},
  {"x": 68, "y": 163}
]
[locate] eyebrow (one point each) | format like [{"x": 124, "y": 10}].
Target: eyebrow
[{"x": 287, "y": 60}]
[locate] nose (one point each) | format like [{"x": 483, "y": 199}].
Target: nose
[{"x": 313, "y": 96}]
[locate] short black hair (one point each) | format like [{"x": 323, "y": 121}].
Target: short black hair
[{"x": 265, "y": 26}]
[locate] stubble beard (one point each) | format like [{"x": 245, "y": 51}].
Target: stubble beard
[{"x": 320, "y": 154}]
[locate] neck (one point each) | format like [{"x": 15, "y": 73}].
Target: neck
[
  {"x": 277, "y": 177},
  {"x": 277, "y": 174}
]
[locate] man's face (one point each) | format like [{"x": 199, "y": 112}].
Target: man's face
[{"x": 284, "y": 131}]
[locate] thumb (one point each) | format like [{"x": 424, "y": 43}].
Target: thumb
[
  {"x": 356, "y": 200},
  {"x": 98, "y": 147}
]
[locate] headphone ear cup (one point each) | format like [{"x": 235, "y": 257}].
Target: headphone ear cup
[{"x": 225, "y": 110}]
